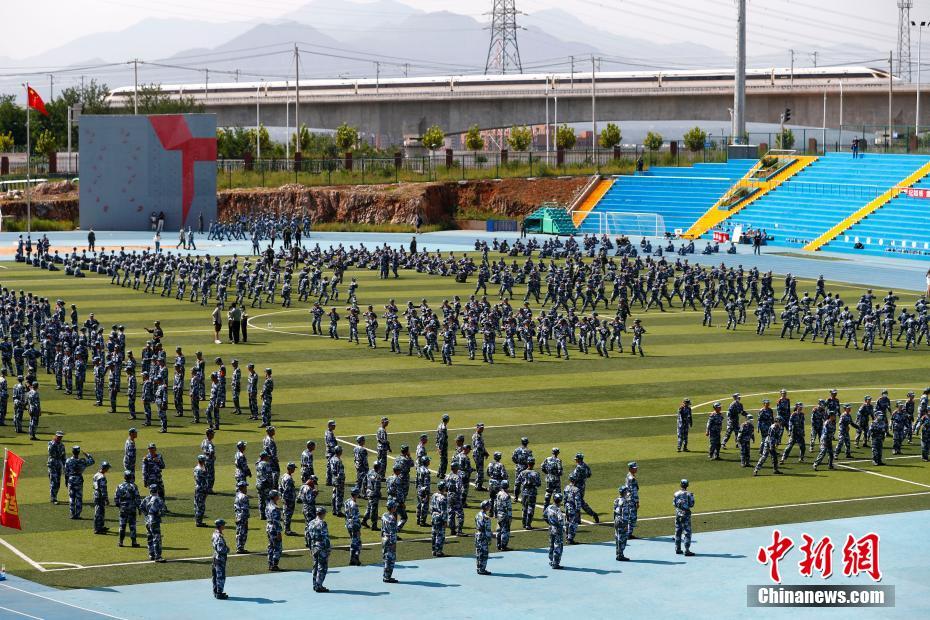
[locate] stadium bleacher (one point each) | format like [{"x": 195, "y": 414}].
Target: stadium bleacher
[
  {"x": 679, "y": 195},
  {"x": 824, "y": 193},
  {"x": 899, "y": 228}
]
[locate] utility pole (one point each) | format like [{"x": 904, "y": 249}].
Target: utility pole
[
  {"x": 920, "y": 32},
  {"x": 135, "y": 86},
  {"x": 287, "y": 122},
  {"x": 406, "y": 69},
  {"x": 594, "y": 113},
  {"x": 51, "y": 86},
  {"x": 739, "y": 89},
  {"x": 792, "y": 67},
  {"x": 82, "y": 89},
  {"x": 377, "y": 77},
  {"x": 237, "y": 75},
  {"x": 814, "y": 57},
  {"x": 297, "y": 99},
  {"x": 890, "y": 93},
  {"x": 572, "y": 79},
  {"x": 258, "y": 122},
  {"x": 547, "y": 121},
  {"x": 904, "y": 39},
  {"x": 206, "y": 84}
]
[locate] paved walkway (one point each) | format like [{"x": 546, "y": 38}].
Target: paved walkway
[
  {"x": 878, "y": 272},
  {"x": 656, "y": 583}
]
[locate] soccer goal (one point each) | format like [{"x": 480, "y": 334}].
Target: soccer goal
[{"x": 616, "y": 223}]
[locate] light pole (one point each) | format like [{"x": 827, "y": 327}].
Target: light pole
[
  {"x": 920, "y": 30},
  {"x": 258, "y": 122}
]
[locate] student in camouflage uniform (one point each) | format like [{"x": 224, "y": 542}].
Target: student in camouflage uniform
[
  {"x": 479, "y": 454},
  {"x": 264, "y": 482},
  {"x": 329, "y": 443},
  {"x": 423, "y": 484},
  {"x": 439, "y": 517},
  {"x": 252, "y": 392},
  {"x": 456, "y": 509},
  {"x": 714, "y": 428},
  {"x": 34, "y": 405},
  {"x": 519, "y": 458},
  {"x": 129, "y": 502},
  {"x": 153, "y": 507},
  {"x": 497, "y": 473},
  {"x": 242, "y": 510},
  {"x": 745, "y": 436},
  {"x": 844, "y": 423},
  {"x": 442, "y": 445},
  {"x": 337, "y": 471},
  {"x": 288, "y": 490},
  {"x": 899, "y": 427},
  {"x": 796, "y": 434},
  {"x": 555, "y": 519},
  {"x": 373, "y": 489},
  {"x": 306, "y": 461},
  {"x": 685, "y": 422},
  {"x": 101, "y": 499},
  {"x": 273, "y": 528},
  {"x": 307, "y": 497},
  {"x": 877, "y": 432},
  {"x": 200, "y": 490},
  {"x": 74, "y": 479},
  {"x": 923, "y": 427},
  {"x": 572, "y": 501},
  {"x": 267, "y": 390},
  {"x": 769, "y": 448},
  {"x": 503, "y": 511},
  {"x": 384, "y": 445},
  {"x": 389, "y": 541},
  {"x": 220, "y": 553},
  {"x": 552, "y": 468},
  {"x": 683, "y": 501},
  {"x": 236, "y": 386},
  {"x": 582, "y": 473},
  {"x": 483, "y": 537},
  {"x": 353, "y": 526},
  {"x": 529, "y": 483},
  {"x": 633, "y": 485},
  {"x": 622, "y": 514},
  {"x": 826, "y": 441},
  {"x": 317, "y": 540},
  {"x": 55, "y": 465}
]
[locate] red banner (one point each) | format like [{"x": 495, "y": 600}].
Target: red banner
[
  {"x": 720, "y": 236},
  {"x": 9, "y": 509},
  {"x": 916, "y": 192}
]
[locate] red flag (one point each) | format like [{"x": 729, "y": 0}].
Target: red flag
[
  {"x": 9, "y": 509},
  {"x": 35, "y": 101}
]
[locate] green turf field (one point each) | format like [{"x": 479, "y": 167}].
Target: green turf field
[{"x": 614, "y": 410}]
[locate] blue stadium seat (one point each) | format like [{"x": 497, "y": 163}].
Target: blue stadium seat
[
  {"x": 830, "y": 189},
  {"x": 679, "y": 195}
]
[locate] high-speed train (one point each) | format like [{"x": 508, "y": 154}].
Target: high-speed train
[{"x": 614, "y": 80}]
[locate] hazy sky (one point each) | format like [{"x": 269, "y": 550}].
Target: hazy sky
[{"x": 34, "y": 27}]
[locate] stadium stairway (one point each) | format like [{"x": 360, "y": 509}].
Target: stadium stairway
[
  {"x": 898, "y": 227},
  {"x": 831, "y": 192},
  {"x": 581, "y": 212},
  {"x": 678, "y": 195},
  {"x": 718, "y": 213},
  {"x": 552, "y": 220}
]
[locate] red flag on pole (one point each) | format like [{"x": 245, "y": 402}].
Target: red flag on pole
[
  {"x": 9, "y": 509},
  {"x": 35, "y": 101}
]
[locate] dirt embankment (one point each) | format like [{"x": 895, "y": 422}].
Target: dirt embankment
[
  {"x": 53, "y": 201},
  {"x": 438, "y": 203}
]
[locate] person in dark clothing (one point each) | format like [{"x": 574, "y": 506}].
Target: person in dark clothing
[
  {"x": 91, "y": 240},
  {"x": 200, "y": 223}
]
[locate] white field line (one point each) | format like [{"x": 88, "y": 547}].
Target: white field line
[
  {"x": 875, "y": 473},
  {"x": 48, "y": 598},
  {"x": 22, "y": 556}
]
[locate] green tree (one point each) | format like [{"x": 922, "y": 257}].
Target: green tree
[
  {"x": 695, "y": 138},
  {"x": 433, "y": 138},
  {"x": 13, "y": 118},
  {"x": 6, "y": 142},
  {"x": 264, "y": 141},
  {"x": 565, "y": 137},
  {"x": 305, "y": 140},
  {"x": 520, "y": 138},
  {"x": 346, "y": 137},
  {"x": 46, "y": 144},
  {"x": 653, "y": 141},
  {"x": 784, "y": 140},
  {"x": 473, "y": 139},
  {"x": 610, "y": 136}
]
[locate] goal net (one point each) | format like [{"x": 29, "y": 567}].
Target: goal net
[{"x": 615, "y": 223}]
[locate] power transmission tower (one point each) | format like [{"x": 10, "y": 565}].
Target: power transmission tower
[
  {"x": 503, "y": 52},
  {"x": 904, "y": 38}
]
